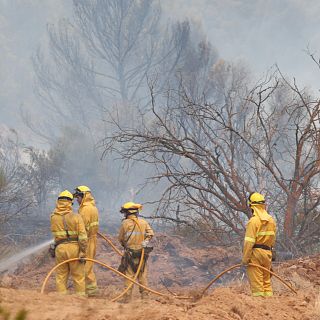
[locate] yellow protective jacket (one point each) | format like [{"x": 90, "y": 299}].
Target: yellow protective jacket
[
  {"x": 89, "y": 214},
  {"x": 133, "y": 231},
  {"x": 261, "y": 229},
  {"x": 65, "y": 222}
]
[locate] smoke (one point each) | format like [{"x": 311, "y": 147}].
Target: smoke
[
  {"x": 22, "y": 28},
  {"x": 260, "y": 33}
]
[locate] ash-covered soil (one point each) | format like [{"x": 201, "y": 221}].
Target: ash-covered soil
[{"x": 174, "y": 266}]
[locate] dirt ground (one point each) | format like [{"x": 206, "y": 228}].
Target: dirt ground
[{"x": 173, "y": 267}]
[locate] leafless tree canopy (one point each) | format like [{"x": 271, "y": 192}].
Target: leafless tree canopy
[
  {"x": 214, "y": 149},
  {"x": 102, "y": 58},
  {"x": 28, "y": 178},
  {"x": 96, "y": 66},
  {"x": 159, "y": 95},
  {"x": 14, "y": 198}
]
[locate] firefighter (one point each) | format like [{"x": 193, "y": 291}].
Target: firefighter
[
  {"x": 258, "y": 243},
  {"x": 70, "y": 242},
  {"x": 90, "y": 215},
  {"x": 134, "y": 234}
]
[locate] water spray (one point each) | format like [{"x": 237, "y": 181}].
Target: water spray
[{"x": 7, "y": 264}]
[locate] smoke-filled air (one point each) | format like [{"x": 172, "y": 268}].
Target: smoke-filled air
[{"x": 159, "y": 159}]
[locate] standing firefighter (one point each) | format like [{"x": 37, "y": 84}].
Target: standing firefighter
[
  {"x": 134, "y": 234},
  {"x": 70, "y": 242},
  {"x": 258, "y": 242},
  {"x": 89, "y": 213}
]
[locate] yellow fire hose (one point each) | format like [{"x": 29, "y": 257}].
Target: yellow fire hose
[
  {"x": 120, "y": 253},
  {"x": 210, "y": 283},
  {"x": 110, "y": 268},
  {"x": 134, "y": 278},
  {"x": 239, "y": 265},
  {"x": 151, "y": 290},
  {"x": 136, "y": 274},
  {"x": 111, "y": 244}
]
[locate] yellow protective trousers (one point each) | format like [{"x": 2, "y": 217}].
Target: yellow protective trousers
[
  {"x": 65, "y": 251},
  {"x": 91, "y": 282},
  {"x": 142, "y": 278},
  {"x": 260, "y": 280}
]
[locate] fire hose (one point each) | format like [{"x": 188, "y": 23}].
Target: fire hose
[
  {"x": 111, "y": 244},
  {"x": 110, "y": 268},
  {"x": 154, "y": 291},
  {"x": 133, "y": 280},
  {"x": 210, "y": 283},
  {"x": 238, "y": 266},
  {"x": 138, "y": 270}
]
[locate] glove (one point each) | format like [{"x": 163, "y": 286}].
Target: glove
[
  {"x": 82, "y": 260},
  {"x": 144, "y": 243},
  {"x": 52, "y": 250}
]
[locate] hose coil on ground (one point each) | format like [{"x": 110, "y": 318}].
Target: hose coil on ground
[{"x": 154, "y": 291}]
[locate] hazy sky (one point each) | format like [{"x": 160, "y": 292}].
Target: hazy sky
[
  {"x": 23, "y": 26},
  {"x": 258, "y": 32}
]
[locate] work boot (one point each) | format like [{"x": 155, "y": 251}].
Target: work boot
[{"x": 93, "y": 293}]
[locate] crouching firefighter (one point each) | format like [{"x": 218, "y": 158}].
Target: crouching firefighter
[
  {"x": 70, "y": 242},
  {"x": 134, "y": 234},
  {"x": 258, "y": 243}
]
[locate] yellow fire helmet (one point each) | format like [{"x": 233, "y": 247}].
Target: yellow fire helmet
[
  {"x": 83, "y": 189},
  {"x": 65, "y": 195},
  {"x": 256, "y": 198},
  {"x": 79, "y": 191},
  {"x": 131, "y": 207}
]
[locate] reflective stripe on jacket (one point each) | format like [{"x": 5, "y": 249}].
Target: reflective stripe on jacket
[
  {"x": 63, "y": 220},
  {"x": 89, "y": 214},
  {"x": 133, "y": 231},
  {"x": 261, "y": 229}
]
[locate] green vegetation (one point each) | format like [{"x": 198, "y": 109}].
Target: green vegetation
[
  {"x": 5, "y": 315},
  {"x": 3, "y": 180}
]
